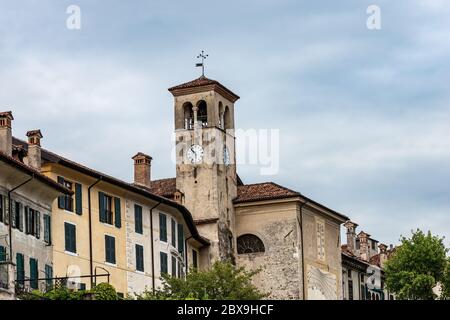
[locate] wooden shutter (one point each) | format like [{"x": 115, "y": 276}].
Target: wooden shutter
[
  {"x": 163, "y": 258},
  {"x": 27, "y": 219},
  {"x": 174, "y": 266},
  {"x": 139, "y": 258},
  {"x": 138, "y": 219},
  {"x": 48, "y": 274},
  {"x": 37, "y": 221},
  {"x": 102, "y": 209},
  {"x": 47, "y": 229},
  {"x": 34, "y": 273},
  {"x": 162, "y": 227},
  {"x": 61, "y": 198},
  {"x": 1, "y": 208},
  {"x": 70, "y": 237},
  {"x": 180, "y": 239},
  {"x": 78, "y": 199},
  {"x": 20, "y": 268},
  {"x": 174, "y": 232},
  {"x": 20, "y": 217},
  {"x": 117, "y": 213},
  {"x": 13, "y": 213},
  {"x": 110, "y": 249}
]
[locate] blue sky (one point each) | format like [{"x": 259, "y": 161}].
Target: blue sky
[{"x": 364, "y": 115}]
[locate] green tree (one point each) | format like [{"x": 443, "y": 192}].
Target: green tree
[
  {"x": 222, "y": 281},
  {"x": 446, "y": 282},
  {"x": 417, "y": 266}
]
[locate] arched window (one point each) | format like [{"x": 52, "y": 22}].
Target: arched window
[
  {"x": 249, "y": 243},
  {"x": 202, "y": 113},
  {"x": 188, "y": 116}
]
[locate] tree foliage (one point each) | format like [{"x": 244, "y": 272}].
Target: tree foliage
[
  {"x": 223, "y": 281},
  {"x": 102, "y": 291},
  {"x": 417, "y": 266}
]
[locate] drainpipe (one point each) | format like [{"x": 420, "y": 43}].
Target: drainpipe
[
  {"x": 302, "y": 250},
  {"x": 151, "y": 245},
  {"x": 10, "y": 214},
  {"x": 186, "y": 254},
  {"x": 91, "y": 261}
]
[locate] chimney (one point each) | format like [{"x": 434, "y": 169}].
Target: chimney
[
  {"x": 351, "y": 235},
  {"x": 34, "y": 149},
  {"x": 142, "y": 169},
  {"x": 6, "y": 119},
  {"x": 383, "y": 254},
  {"x": 364, "y": 245}
]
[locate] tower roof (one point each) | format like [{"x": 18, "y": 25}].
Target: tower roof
[{"x": 203, "y": 84}]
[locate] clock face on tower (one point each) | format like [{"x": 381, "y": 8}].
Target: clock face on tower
[{"x": 195, "y": 153}]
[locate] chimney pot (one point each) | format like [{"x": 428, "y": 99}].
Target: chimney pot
[
  {"x": 6, "y": 119},
  {"x": 34, "y": 149},
  {"x": 142, "y": 169}
]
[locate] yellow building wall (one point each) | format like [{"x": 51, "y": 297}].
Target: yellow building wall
[{"x": 67, "y": 264}]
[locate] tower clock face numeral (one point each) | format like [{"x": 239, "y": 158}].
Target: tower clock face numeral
[
  {"x": 195, "y": 153},
  {"x": 226, "y": 156}
]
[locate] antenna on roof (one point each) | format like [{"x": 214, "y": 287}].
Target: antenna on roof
[{"x": 202, "y": 56}]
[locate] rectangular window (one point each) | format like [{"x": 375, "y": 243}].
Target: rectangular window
[
  {"x": 162, "y": 227},
  {"x": 110, "y": 249},
  {"x": 350, "y": 289},
  {"x": 174, "y": 266},
  {"x": 138, "y": 228},
  {"x": 173, "y": 230},
  {"x": 34, "y": 274},
  {"x": 357, "y": 244},
  {"x": 78, "y": 199},
  {"x": 2, "y": 254},
  {"x": 139, "y": 258},
  {"x": 48, "y": 275},
  {"x": 105, "y": 208},
  {"x": 163, "y": 260},
  {"x": 194, "y": 259},
  {"x": 18, "y": 216},
  {"x": 70, "y": 237},
  {"x": 32, "y": 222},
  {"x": 47, "y": 229},
  {"x": 20, "y": 268},
  {"x": 180, "y": 239},
  {"x": 66, "y": 201}
]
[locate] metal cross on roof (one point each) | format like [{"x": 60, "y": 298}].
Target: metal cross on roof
[{"x": 202, "y": 56}]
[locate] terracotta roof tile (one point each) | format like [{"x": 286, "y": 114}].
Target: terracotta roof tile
[
  {"x": 263, "y": 191},
  {"x": 164, "y": 187}
]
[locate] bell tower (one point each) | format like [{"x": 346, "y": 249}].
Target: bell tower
[{"x": 205, "y": 159}]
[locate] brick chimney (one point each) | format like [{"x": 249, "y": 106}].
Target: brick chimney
[
  {"x": 34, "y": 149},
  {"x": 142, "y": 169},
  {"x": 6, "y": 119},
  {"x": 351, "y": 235},
  {"x": 364, "y": 246}
]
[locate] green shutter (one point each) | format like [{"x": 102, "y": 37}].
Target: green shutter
[
  {"x": 174, "y": 266},
  {"x": 117, "y": 211},
  {"x": 102, "y": 209},
  {"x": 20, "y": 268},
  {"x": 180, "y": 239},
  {"x": 70, "y": 237},
  {"x": 194, "y": 259},
  {"x": 163, "y": 259},
  {"x": 162, "y": 227},
  {"x": 138, "y": 219},
  {"x": 78, "y": 199},
  {"x": 47, "y": 229},
  {"x": 110, "y": 249},
  {"x": 20, "y": 217},
  {"x": 48, "y": 275},
  {"x": 37, "y": 220},
  {"x": 174, "y": 232},
  {"x": 139, "y": 258},
  {"x": 61, "y": 198},
  {"x": 13, "y": 213},
  {"x": 27, "y": 219},
  {"x": 34, "y": 274},
  {"x": 2, "y": 254}
]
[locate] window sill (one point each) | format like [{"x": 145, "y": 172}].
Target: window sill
[
  {"x": 111, "y": 264},
  {"x": 140, "y": 272},
  {"x": 73, "y": 254},
  {"x": 108, "y": 225}
]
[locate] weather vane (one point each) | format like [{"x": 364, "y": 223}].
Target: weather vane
[{"x": 203, "y": 56}]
